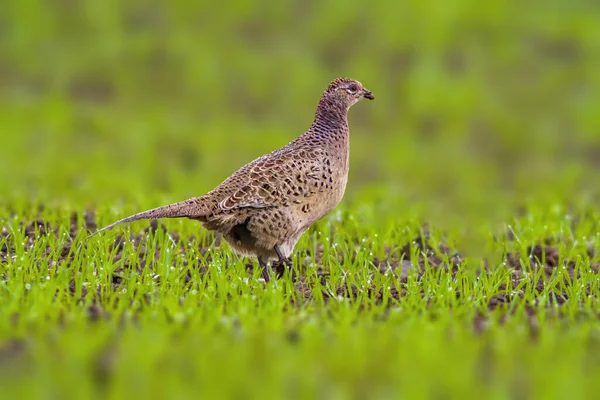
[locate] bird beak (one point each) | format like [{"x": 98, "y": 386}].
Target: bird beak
[{"x": 367, "y": 94}]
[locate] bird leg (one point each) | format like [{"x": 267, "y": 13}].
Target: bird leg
[
  {"x": 280, "y": 265},
  {"x": 262, "y": 262}
]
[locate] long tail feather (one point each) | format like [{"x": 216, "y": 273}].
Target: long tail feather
[{"x": 191, "y": 208}]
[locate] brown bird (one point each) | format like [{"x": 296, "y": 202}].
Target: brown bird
[{"x": 264, "y": 207}]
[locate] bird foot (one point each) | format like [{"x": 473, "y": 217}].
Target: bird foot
[
  {"x": 281, "y": 265},
  {"x": 265, "y": 274}
]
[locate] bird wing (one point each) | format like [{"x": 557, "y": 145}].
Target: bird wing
[{"x": 273, "y": 180}]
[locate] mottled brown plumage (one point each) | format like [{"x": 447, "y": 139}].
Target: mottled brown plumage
[{"x": 263, "y": 208}]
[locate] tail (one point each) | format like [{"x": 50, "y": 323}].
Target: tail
[{"x": 192, "y": 208}]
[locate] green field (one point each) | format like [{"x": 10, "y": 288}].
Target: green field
[{"x": 462, "y": 263}]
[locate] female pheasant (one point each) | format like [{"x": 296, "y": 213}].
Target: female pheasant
[{"x": 264, "y": 207}]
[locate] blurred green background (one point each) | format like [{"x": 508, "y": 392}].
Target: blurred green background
[
  {"x": 482, "y": 110},
  {"x": 480, "y": 107}
]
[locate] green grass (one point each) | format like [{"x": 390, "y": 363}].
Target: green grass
[
  {"x": 222, "y": 331},
  {"x": 484, "y": 128}
]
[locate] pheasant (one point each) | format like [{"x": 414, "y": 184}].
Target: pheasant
[{"x": 264, "y": 207}]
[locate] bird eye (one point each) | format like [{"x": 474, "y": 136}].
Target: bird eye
[{"x": 352, "y": 89}]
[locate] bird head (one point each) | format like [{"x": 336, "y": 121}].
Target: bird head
[{"x": 347, "y": 92}]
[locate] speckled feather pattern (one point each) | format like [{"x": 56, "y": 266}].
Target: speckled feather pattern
[{"x": 272, "y": 200}]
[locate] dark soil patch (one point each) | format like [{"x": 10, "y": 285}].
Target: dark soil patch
[
  {"x": 11, "y": 350},
  {"x": 411, "y": 260}
]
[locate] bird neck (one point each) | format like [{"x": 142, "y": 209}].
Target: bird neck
[{"x": 330, "y": 116}]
